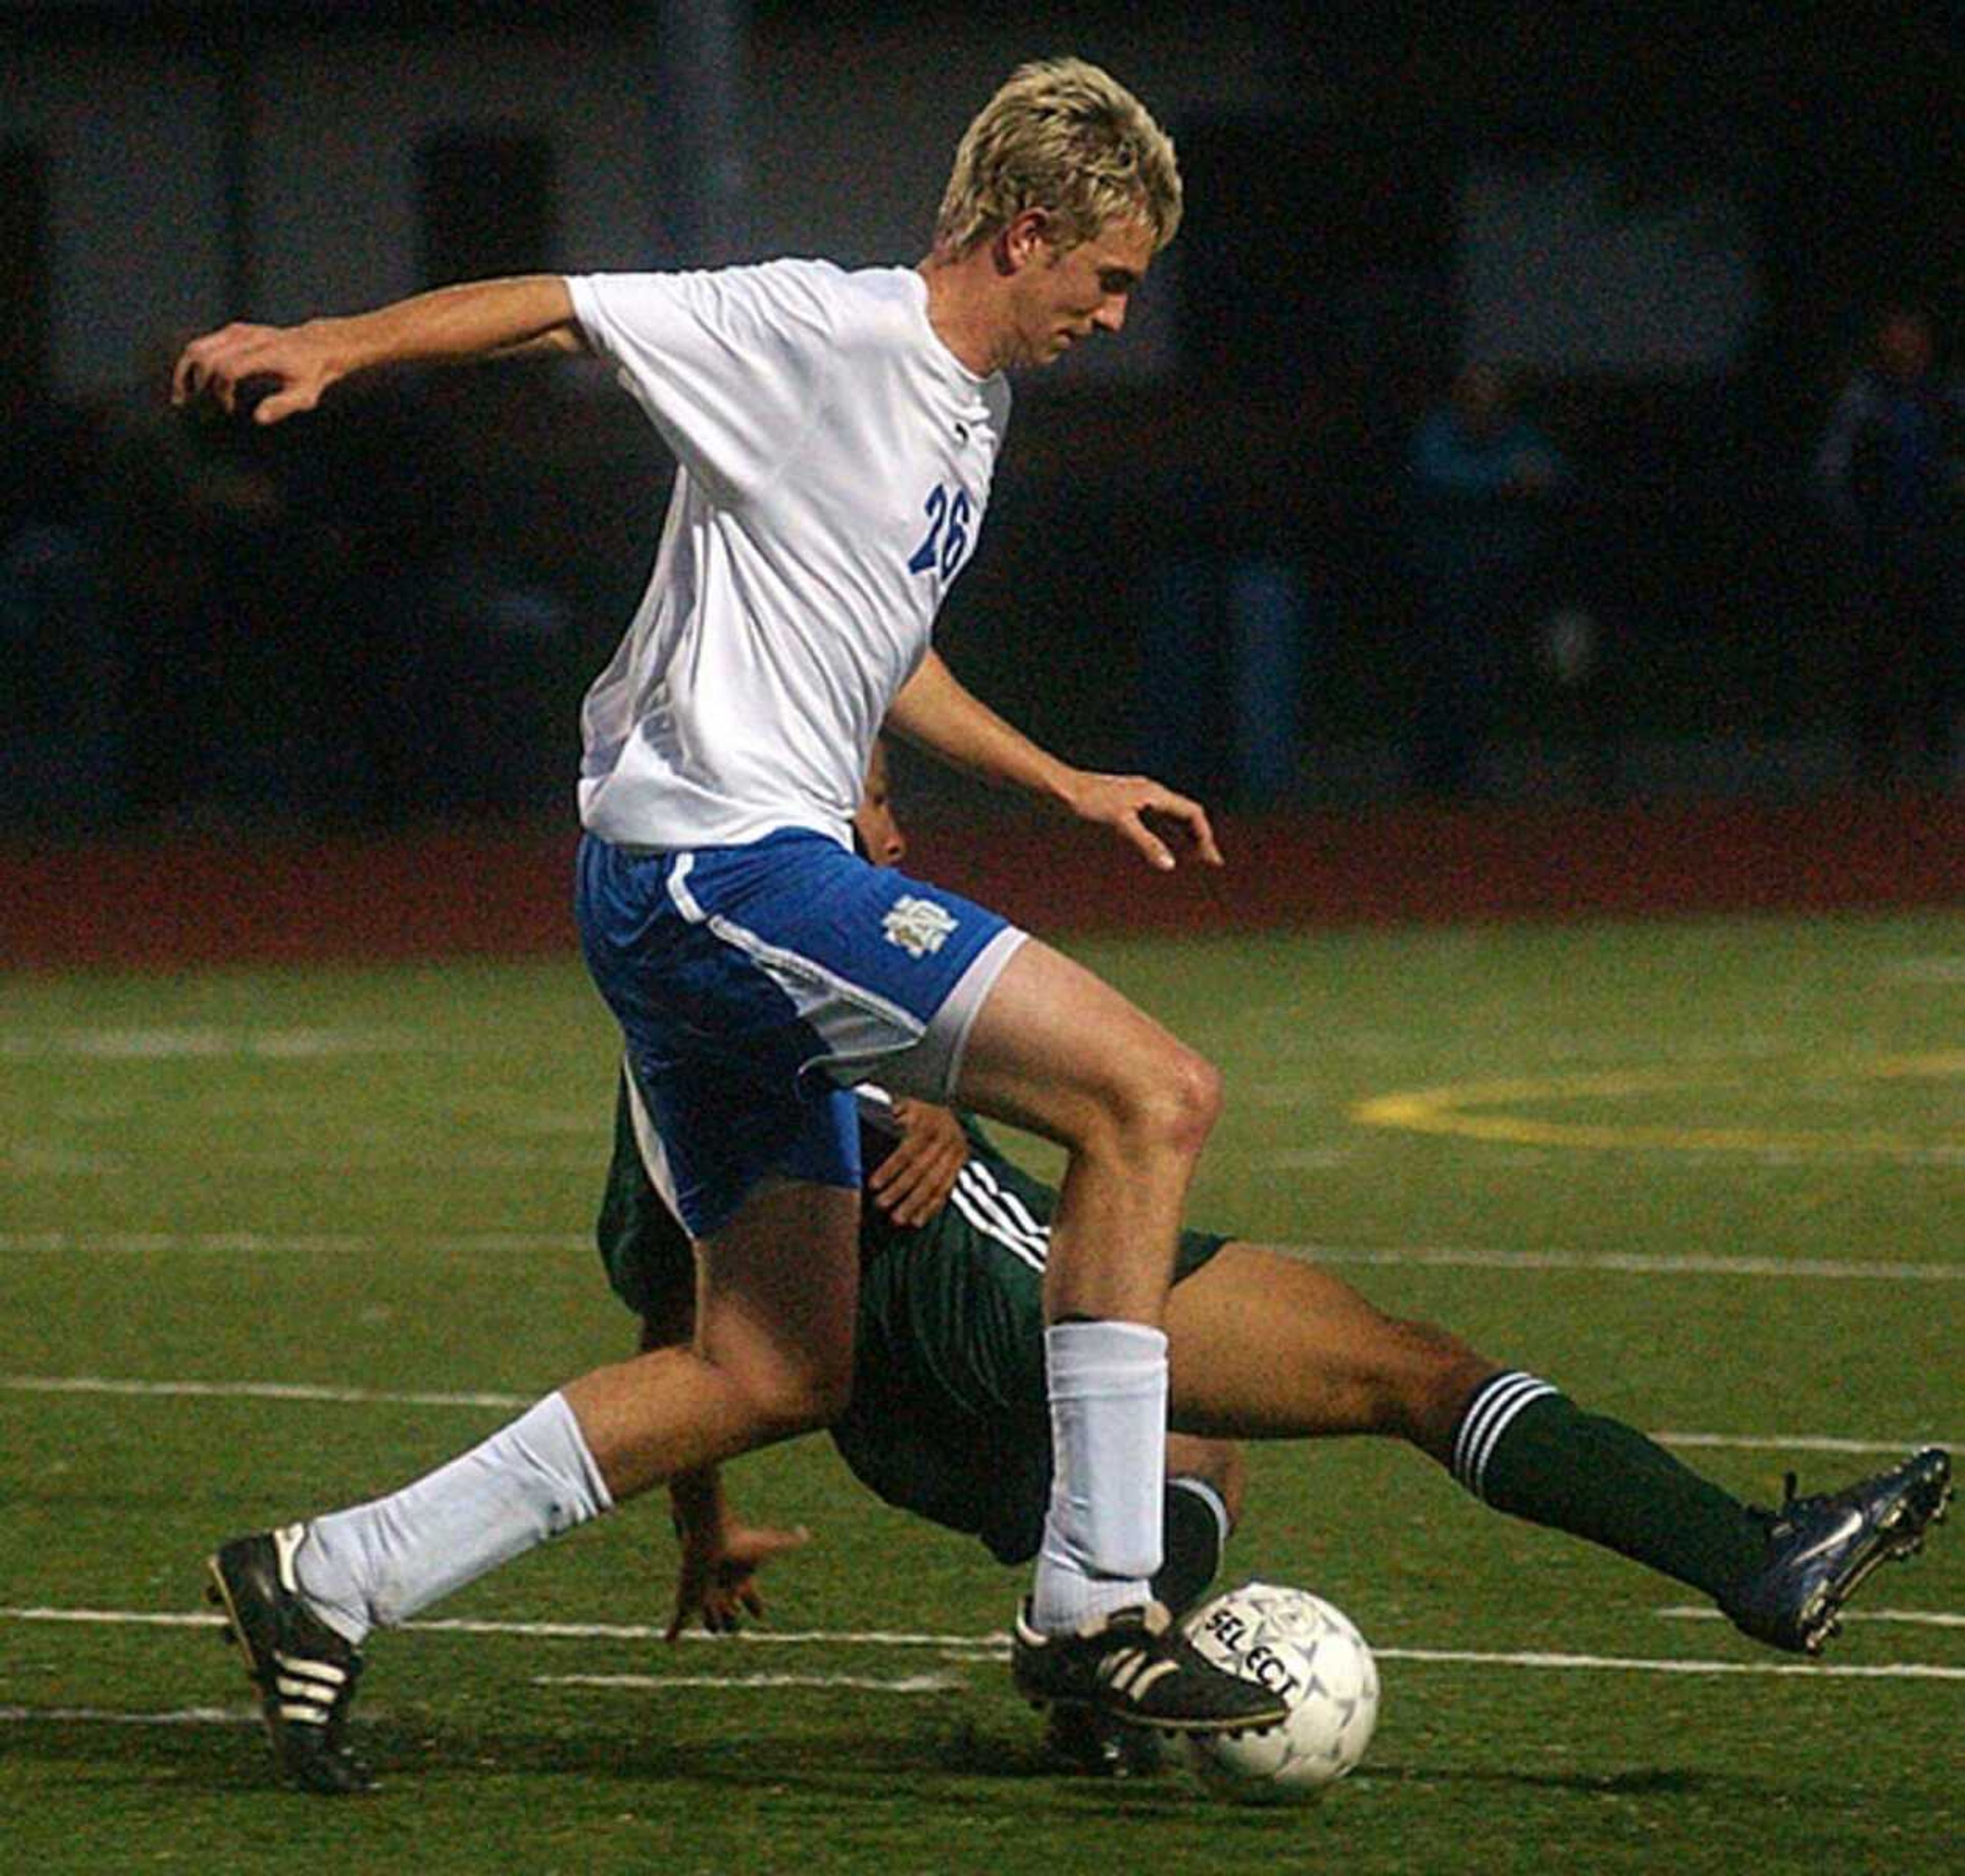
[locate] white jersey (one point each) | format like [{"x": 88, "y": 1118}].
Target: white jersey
[{"x": 835, "y": 460}]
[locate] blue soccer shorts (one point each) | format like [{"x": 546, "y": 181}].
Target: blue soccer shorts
[{"x": 755, "y": 984}]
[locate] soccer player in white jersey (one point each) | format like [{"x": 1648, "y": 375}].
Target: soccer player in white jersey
[{"x": 836, "y": 435}]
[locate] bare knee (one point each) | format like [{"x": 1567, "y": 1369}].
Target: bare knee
[
  {"x": 1197, "y": 1102},
  {"x": 1166, "y": 1105},
  {"x": 785, "y": 1399}
]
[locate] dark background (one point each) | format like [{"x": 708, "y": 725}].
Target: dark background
[{"x": 387, "y": 613}]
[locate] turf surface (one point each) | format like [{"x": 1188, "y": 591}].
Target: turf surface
[{"x": 1705, "y": 1174}]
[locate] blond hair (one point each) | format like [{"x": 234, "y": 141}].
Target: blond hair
[{"x": 1063, "y": 135}]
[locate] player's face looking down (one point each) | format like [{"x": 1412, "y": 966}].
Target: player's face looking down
[{"x": 1060, "y": 296}]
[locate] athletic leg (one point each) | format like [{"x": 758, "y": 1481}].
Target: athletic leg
[
  {"x": 1202, "y": 1502},
  {"x": 772, "y": 1357},
  {"x": 765, "y": 1173},
  {"x": 1055, "y": 1050},
  {"x": 1265, "y": 1345},
  {"x": 773, "y": 1352}
]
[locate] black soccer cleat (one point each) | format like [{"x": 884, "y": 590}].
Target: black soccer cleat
[
  {"x": 305, "y": 1672},
  {"x": 1093, "y": 1744},
  {"x": 1820, "y": 1550},
  {"x": 1134, "y": 1665}
]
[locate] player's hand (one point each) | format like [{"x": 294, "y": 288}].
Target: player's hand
[
  {"x": 913, "y": 1183},
  {"x": 1136, "y": 807},
  {"x": 718, "y": 1576},
  {"x": 277, "y": 371}
]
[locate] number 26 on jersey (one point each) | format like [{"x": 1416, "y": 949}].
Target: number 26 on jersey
[{"x": 948, "y": 538}]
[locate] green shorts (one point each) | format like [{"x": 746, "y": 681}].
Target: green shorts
[{"x": 949, "y": 1418}]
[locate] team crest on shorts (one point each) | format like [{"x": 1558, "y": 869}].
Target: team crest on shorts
[{"x": 917, "y": 925}]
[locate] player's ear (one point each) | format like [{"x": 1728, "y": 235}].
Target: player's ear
[{"x": 1025, "y": 238}]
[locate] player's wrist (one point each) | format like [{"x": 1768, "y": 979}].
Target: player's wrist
[
  {"x": 338, "y": 347},
  {"x": 696, "y": 1504},
  {"x": 1071, "y": 789}
]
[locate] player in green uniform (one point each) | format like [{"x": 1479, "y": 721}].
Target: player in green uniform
[{"x": 948, "y": 1417}]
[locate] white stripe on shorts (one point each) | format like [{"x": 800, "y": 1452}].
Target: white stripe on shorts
[
  {"x": 816, "y": 992},
  {"x": 1013, "y": 1207},
  {"x": 858, "y": 1026},
  {"x": 680, "y": 895},
  {"x": 977, "y": 1205},
  {"x": 654, "y": 1156}
]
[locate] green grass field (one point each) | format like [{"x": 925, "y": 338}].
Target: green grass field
[{"x": 1706, "y": 1175}]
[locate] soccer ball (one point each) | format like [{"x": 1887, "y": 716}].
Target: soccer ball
[{"x": 1311, "y": 1653}]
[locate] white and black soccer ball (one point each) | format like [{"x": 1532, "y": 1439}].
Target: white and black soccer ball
[{"x": 1310, "y": 1652}]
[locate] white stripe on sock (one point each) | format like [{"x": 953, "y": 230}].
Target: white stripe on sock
[
  {"x": 1470, "y": 1419},
  {"x": 1489, "y": 1415},
  {"x": 1497, "y": 1425}
]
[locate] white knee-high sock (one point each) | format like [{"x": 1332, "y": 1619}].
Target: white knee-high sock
[
  {"x": 378, "y": 1564},
  {"x": 1102, "y": 1537}
]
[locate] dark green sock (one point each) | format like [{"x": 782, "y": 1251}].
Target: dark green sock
[
  {"x": 1526, "y": 1450},
  {"x": 1195, "y": 1524}
]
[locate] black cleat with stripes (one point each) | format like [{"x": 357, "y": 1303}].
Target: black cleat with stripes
[
  {"x": 305, "y": 1672},
  {"x": 1821, "y": 1548},
  {"x": 1136, "y": 1666}
]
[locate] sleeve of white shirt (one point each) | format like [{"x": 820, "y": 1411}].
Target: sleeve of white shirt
[{"x": 731, "y": 364}]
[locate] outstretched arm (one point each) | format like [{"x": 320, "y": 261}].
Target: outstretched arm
[
  {"x": 480, "y": 319},
  {"x": 935, "y": 711}
]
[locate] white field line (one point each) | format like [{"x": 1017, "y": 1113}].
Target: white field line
[
  {"x": 103, "y": 1715},
  {"x": 28, "y": 1159},
  {"x": 1800, "y": 1442},
  {"x": 940, "y": 1683},
  {"x": 148, "y": 1244},
  {"x": 253, "y": 1391},
  {"x": 1636, "y": 1264},
  {"x": 1415, "y": 1257},
  {"x": 996, "y": 1642},
  {"x": 458, "y": 1159},
  {"x": 367, "y": 1397},
  {"x": 996, "y": 1647},
  {"x": 205, "y": 1042},
  {"x": 1639, "y": 1664},
  {"x": 661, "y": 1683},
  {"x": 1916, "y": 1618},
  {"x": 256, "y": 1244},
  {"x": 1924, "y": 971}
]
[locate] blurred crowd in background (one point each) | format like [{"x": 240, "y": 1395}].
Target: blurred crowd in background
[
  {"x": 1533, "y": 407},
  {"x": 387, "y": 613},
  {"x": 345, "y": 621}
]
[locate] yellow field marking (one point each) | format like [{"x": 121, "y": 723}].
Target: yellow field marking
[{"x": 1457, "y": 1108}]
